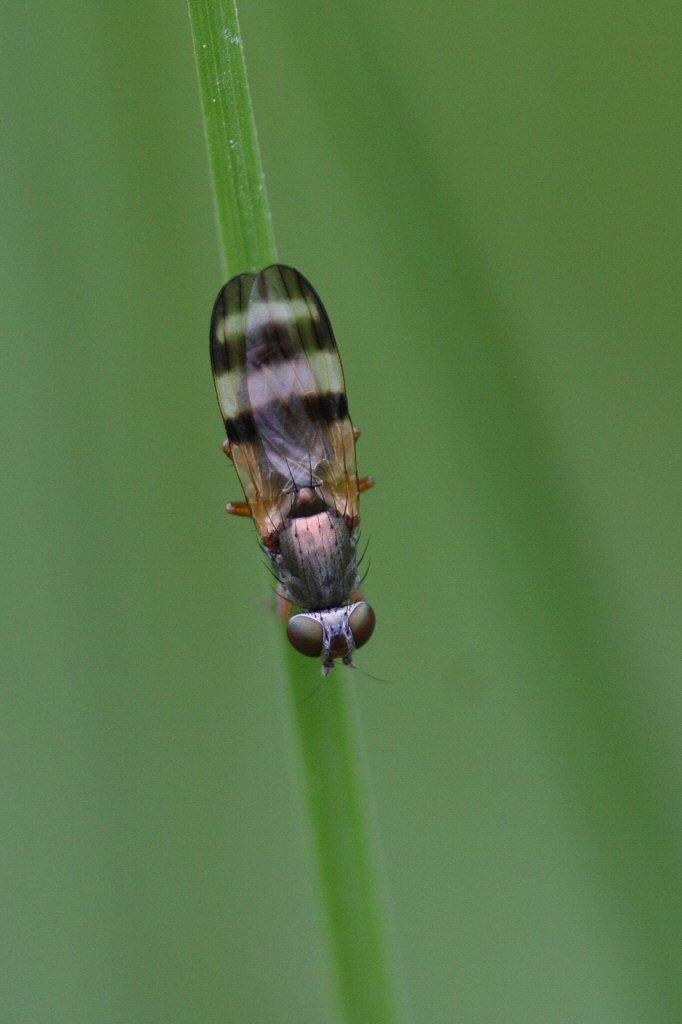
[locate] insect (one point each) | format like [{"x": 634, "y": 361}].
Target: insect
[{"x": 281, "y": 390}]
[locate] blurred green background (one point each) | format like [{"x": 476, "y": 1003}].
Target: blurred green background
[{"x": 487, "y": 198}]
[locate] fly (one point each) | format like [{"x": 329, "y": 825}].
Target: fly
[{"x": 281, "y": 390}]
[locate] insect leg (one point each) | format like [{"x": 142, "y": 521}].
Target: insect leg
[
  {"x": 365, "y": 482},
  {"x": 284, "y": 606},
  {"x": 356, "y": 433},
  {"x": 238, "y": 508},
  {"x": 227, "y": 448}
]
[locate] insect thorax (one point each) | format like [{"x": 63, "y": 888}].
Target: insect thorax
[{"x": 316, "y": 562}]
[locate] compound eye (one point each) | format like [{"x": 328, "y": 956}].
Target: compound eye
[
  {"x": 362, "y": 622},
  {"x": 306, "y": 635}
]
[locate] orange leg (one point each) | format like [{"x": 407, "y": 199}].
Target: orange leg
[
  {"x": 364, "y": 483},
  {"x": 235, "y": 508},
  {"x": 238, "y": 508},
  {"x": 284, "y": 606},
  {"x": 356, "y": 433}
]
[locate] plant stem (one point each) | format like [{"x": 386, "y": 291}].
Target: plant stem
[
  {"x": 325, "y": 725},
  {"x": 336, "y": 784},
  {"x": 248, "y": 240}
]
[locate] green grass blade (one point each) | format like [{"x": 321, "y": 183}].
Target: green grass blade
[
  {"x": 248, "y": 240},
  {"x": 334, "y": 777},
  {"x": 326, "y": 725}
]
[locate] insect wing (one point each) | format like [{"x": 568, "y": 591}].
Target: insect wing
[
  {"x": 229, "y": 362},
  {"x": 228, "y": 350},
  {"x": 296, "y": 389},
  {"x": 280, "y": 387}
]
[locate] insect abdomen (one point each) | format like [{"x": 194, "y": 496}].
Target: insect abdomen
[{"x": 316, "y": 562}]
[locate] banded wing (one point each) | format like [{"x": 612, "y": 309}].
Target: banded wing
[
  {"x": 228, "y": 359},
  {"x": 281, "y": 390}
]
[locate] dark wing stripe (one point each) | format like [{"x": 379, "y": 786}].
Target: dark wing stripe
[
  {"x": 326, "y": 408},
  {"x": 318, "y": 408},
  {"x": 271, "y": 329},
  {"x": 241, "y": 429},
  {"x": 314, "y": 328},
  {"x": 323, "y": 335},
  {"x": 290, "y": 330},
  {"x": 227, "y": 338}
]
